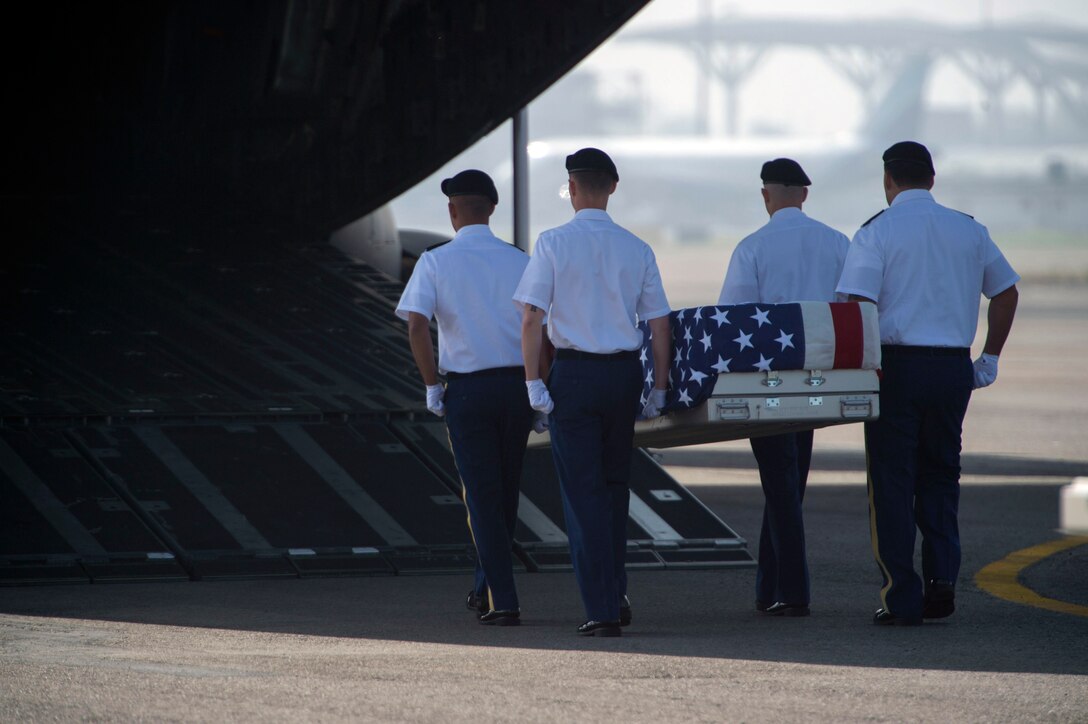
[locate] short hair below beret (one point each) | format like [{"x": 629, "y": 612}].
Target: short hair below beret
[
  {"x": 909, "y": 152},
  {"x": 471, "y": 183},
  {"x": 592, "y": 159},
  {"x": 784, "y": 171}
]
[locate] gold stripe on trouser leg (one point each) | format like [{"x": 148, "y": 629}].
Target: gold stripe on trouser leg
[
  {"x": 468, "y": 513},
  {"x": 873, "y": 536}
]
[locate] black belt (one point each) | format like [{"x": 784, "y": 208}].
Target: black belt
[
  {"x": 907, "y": 350},
  {"x": 489, "y": 372},
  {"x": 578, "y": 354}
]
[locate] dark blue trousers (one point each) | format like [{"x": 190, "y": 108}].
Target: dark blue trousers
[
  {"x": 592, "y": 428},
  {"x": 913, "y": 453},
  {"x": 489, "y": 418},
  {"x": 782, "y": 575}
]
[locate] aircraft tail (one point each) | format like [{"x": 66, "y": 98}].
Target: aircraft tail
[{"x": 897, "y": 115}]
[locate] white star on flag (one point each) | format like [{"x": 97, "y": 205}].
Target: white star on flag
[
  {"x": 642, "y": 355},
  {"x": 757, "y": 336}
]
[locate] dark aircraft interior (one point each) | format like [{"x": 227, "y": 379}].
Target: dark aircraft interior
[{"x": 194, "y": 383}]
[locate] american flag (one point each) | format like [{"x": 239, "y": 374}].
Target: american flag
[{"x": 707, "y": 341}]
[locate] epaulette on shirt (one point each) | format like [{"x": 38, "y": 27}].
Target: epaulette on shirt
[
  {"x": 964, "y": 213},
  {"x": 873, "y": 217},
  {"x": 432, "y": 247}
]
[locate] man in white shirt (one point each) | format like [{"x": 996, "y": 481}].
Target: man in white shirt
[
  {"x": 792, "y": 258},
  {"x": 596, "y": 281},
  {"x": 925, "y": 266},
  {"x": 467, "y": 284}
]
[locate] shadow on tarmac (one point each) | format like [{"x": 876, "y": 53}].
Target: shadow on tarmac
[{"x": 677, "y": 613}]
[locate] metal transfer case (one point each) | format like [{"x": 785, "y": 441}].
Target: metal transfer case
[{"x": 753, "y": 404}]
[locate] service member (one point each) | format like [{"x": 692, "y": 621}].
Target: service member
[
  {"x": 792, "y": 258},
  {"x": 467, "y": 284},
  {"x": 925, "y": 266},
  {"x": 596, "y": 280}
]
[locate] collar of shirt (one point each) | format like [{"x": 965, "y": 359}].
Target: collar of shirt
[
  {"x": 594, "y": 214},
  {"x": 790, "y": 212},
  {"x": 473, "y": 230},
  {"x": 911, "y": 195}
]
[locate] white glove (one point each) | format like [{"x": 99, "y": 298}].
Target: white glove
[
  {"x": 985, "y": 370},
  {"x": 653, "y": 406},
  {"x": 540, "y": 422},
  {"x": 435, "y": 393},
  {"x": 539, "y": 399}
]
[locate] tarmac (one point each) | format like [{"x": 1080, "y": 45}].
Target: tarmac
[{"x": 404, "y": 649}]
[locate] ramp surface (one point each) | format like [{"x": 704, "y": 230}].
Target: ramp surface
[{"x": 178, "y": 409}]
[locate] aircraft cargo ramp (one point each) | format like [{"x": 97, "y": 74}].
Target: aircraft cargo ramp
[{"x": 174, "y": 409}]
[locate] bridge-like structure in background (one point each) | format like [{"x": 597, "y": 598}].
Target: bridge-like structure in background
[{"x": 1051, "y": 60}]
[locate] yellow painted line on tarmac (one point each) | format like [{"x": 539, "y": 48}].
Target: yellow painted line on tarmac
[{"x": 1000, "y": 577}]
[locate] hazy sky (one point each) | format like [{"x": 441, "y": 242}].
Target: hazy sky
[
  {"x": 810, "y": 97},
  {"x": 792, "y": 90}
]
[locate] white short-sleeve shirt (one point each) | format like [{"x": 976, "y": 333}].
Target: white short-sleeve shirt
[
  {"x": 925, "y": 266},
  {"x": 793, "y": 258},
  {"x": 467, "y": 285},
  {"x": 596, "y": 280}
]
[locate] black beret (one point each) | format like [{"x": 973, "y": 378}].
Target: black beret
[
  {"x": 784, "y": 171},
  {"x": 471, "y": 183},
  {"x": 909, "y": 152},
  {"x": 592, "y": 159}
]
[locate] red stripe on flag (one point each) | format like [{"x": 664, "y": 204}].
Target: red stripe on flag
[{"x": 849, "y": 344}]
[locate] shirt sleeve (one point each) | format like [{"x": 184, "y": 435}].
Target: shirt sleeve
[
  {"x": 863, "y": 270},
  {"x": 741, "y": 283},
  {"x": 997, "y": 274},
  {"x": 420, "y": 294},
  {"x": 652, "y": 302},
  {"x": 537, "y": 285}
]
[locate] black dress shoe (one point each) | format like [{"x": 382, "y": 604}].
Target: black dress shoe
[
  {"x": 625, "y": 612},
  {"x": 501, "y": 618},
  {"x": 883, "y": 617},
  {"x": 940, "y": 600},
  {"x": 762, "y": 606},
  {"x": 600, "y": 628},
  {"x": 787, "y": 609},
  {"x": 476, "y": 603}
]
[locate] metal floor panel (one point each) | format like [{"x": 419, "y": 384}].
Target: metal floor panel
[
  {"x": 67, "y": 491},
  {"x": 24, "y": 529},
  {"x": 663, "y": 514},
  {"x": 283, "y": 501},
  {"x": 251, "y": 408},
  {"x": 174, "y": 327},
  {"x": 159, "y": 491},
  {"x": 398, "y": 482}
]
